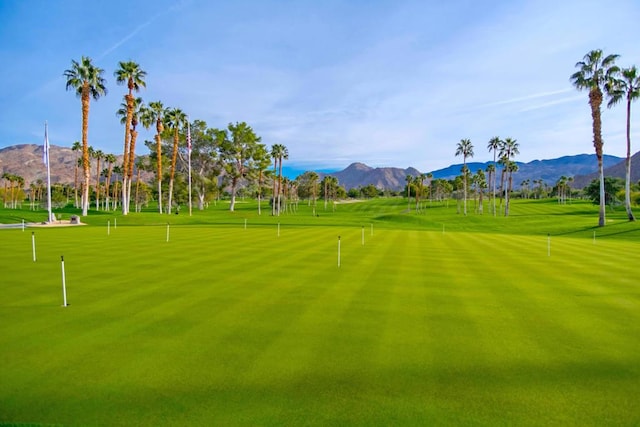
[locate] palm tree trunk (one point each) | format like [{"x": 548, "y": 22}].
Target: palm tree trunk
[
  {"x": 174, "y": 159},
  {"x": 85, "y": 148},
  {"x": 137, "y": 188},
  {"x": 464, "y": 184},
  {"x": 495, "y": 172},
  {"x": 159, "y": 169},
  {"x": 279, "y": 182},
  {"x": 97, "y": 183},
  {"x": 125, "y": 161},
  {"x": 595, "y": 100},
  {"x": 627, "y": 182},
  {"x": 234, "y": 184},
  {"x": 75, "y": 182}
]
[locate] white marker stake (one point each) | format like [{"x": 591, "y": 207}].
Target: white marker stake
[
  {"x": 594, "y": 237},
  {"x": 64, "y": 284},
  {"x": 548, "y": 244},
  {"x": 33, "y": 245},
  {"x": 278, "y": 229},
  {"x": 23, "y": 225},
  {"x": 338, "y": 251},
  {"x": 363, "y": 235},
  {"x": 108, "y": 227},
  {"x": 167, "y": 232},
  {"x": 115, "y": 222},
  {"x": 245, "y": 223}
]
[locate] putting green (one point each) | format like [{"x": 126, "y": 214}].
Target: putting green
[{"x": 223, "y": 325}]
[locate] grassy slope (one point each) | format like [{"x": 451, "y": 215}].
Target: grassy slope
[{"x": 222, "y": 325}]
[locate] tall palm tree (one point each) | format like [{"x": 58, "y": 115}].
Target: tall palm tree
[
  {"x": 176, "y": 119},
  {"x": 87, "y": 81},
  {"x": 409, "y": 180},
  {"x": 262, "y": 160},
  {"x": 6, "y": 176},
  {"x": 138, "y": 110},
  {"x": 110, "y": 159},
  {"x": 133, "y": 76},
  {"x": 430, "y": 178},
  {"x": 278, "y": 152},
  {"x": 313, "y": 182},
  {"x": 283, "y": 154},
  {"x": 98, "y": 155},
  {"x": 76, "y": 147},
  {"x": 157, "y": 112},
  {"x": 508, "y": 149},
  {"x": 594, "y": 71},
  {"x": 625, "y": 85},
  {"x": 464, "y": 149},
  {"x": 494, "y": 145},
  {"x": 511, "y": 167}
]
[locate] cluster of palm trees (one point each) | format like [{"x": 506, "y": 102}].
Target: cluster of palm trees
[
  {"x": 599, "y": 75},
  {"x": 563, "y": 189},
  {"x": 503, "y": 153},
  {"x": 235, "y": 151},
  {"x": 12, "y": 192}
]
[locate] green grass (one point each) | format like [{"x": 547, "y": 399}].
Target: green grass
[{"x": 222, "y": 325}]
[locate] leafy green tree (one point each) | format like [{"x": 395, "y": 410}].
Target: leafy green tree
[
  {"x": 236, "y": 150},
  {"x": 308, "y": 186},
  {"x": 625, "y": 84},
  {"x": 87, "y": 81},
  {"x": 464, "y": 149},
  {"x": 594, "y": 71},
  {"x": 611, "y": 187}
]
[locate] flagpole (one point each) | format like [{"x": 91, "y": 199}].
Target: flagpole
[
  {"x": 46, "y": 161},
  {"x": 189, "y": 156}
]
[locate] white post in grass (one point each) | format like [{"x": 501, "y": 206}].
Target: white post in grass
[
  {"x": 108, "y": 227},
  {"x": 23, "y": 225},
  {"x": 167, "y": 232},
  {"x": 338, "y": 251},
  {"x": 33, "y": 245},
  {"x": 245, "y": 223},
  {"x": 115, "y": 222},
  {"x": 594, "y": 237},
  {"x": 363, "y": 235},
  {"x": 548, "y": 244},
  {"x": 64, "y": 284},
  {"x": 278, "y": 229}
]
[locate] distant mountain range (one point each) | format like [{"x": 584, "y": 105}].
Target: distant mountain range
[
  {"x": 26, "y": 160},
  {"x": 358, "y": 174}
]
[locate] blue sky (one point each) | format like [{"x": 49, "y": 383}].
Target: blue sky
[{"x": 388, "y": 83}]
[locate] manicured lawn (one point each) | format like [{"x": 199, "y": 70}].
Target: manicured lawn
[{"x": 437, "y": 319}]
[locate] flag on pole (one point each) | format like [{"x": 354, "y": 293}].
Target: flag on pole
[
  {"x": 45, "y": 155},
  {"x": 188, "y": 137}
]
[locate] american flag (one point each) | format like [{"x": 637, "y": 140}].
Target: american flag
[{"x": 45, "y": 154}]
